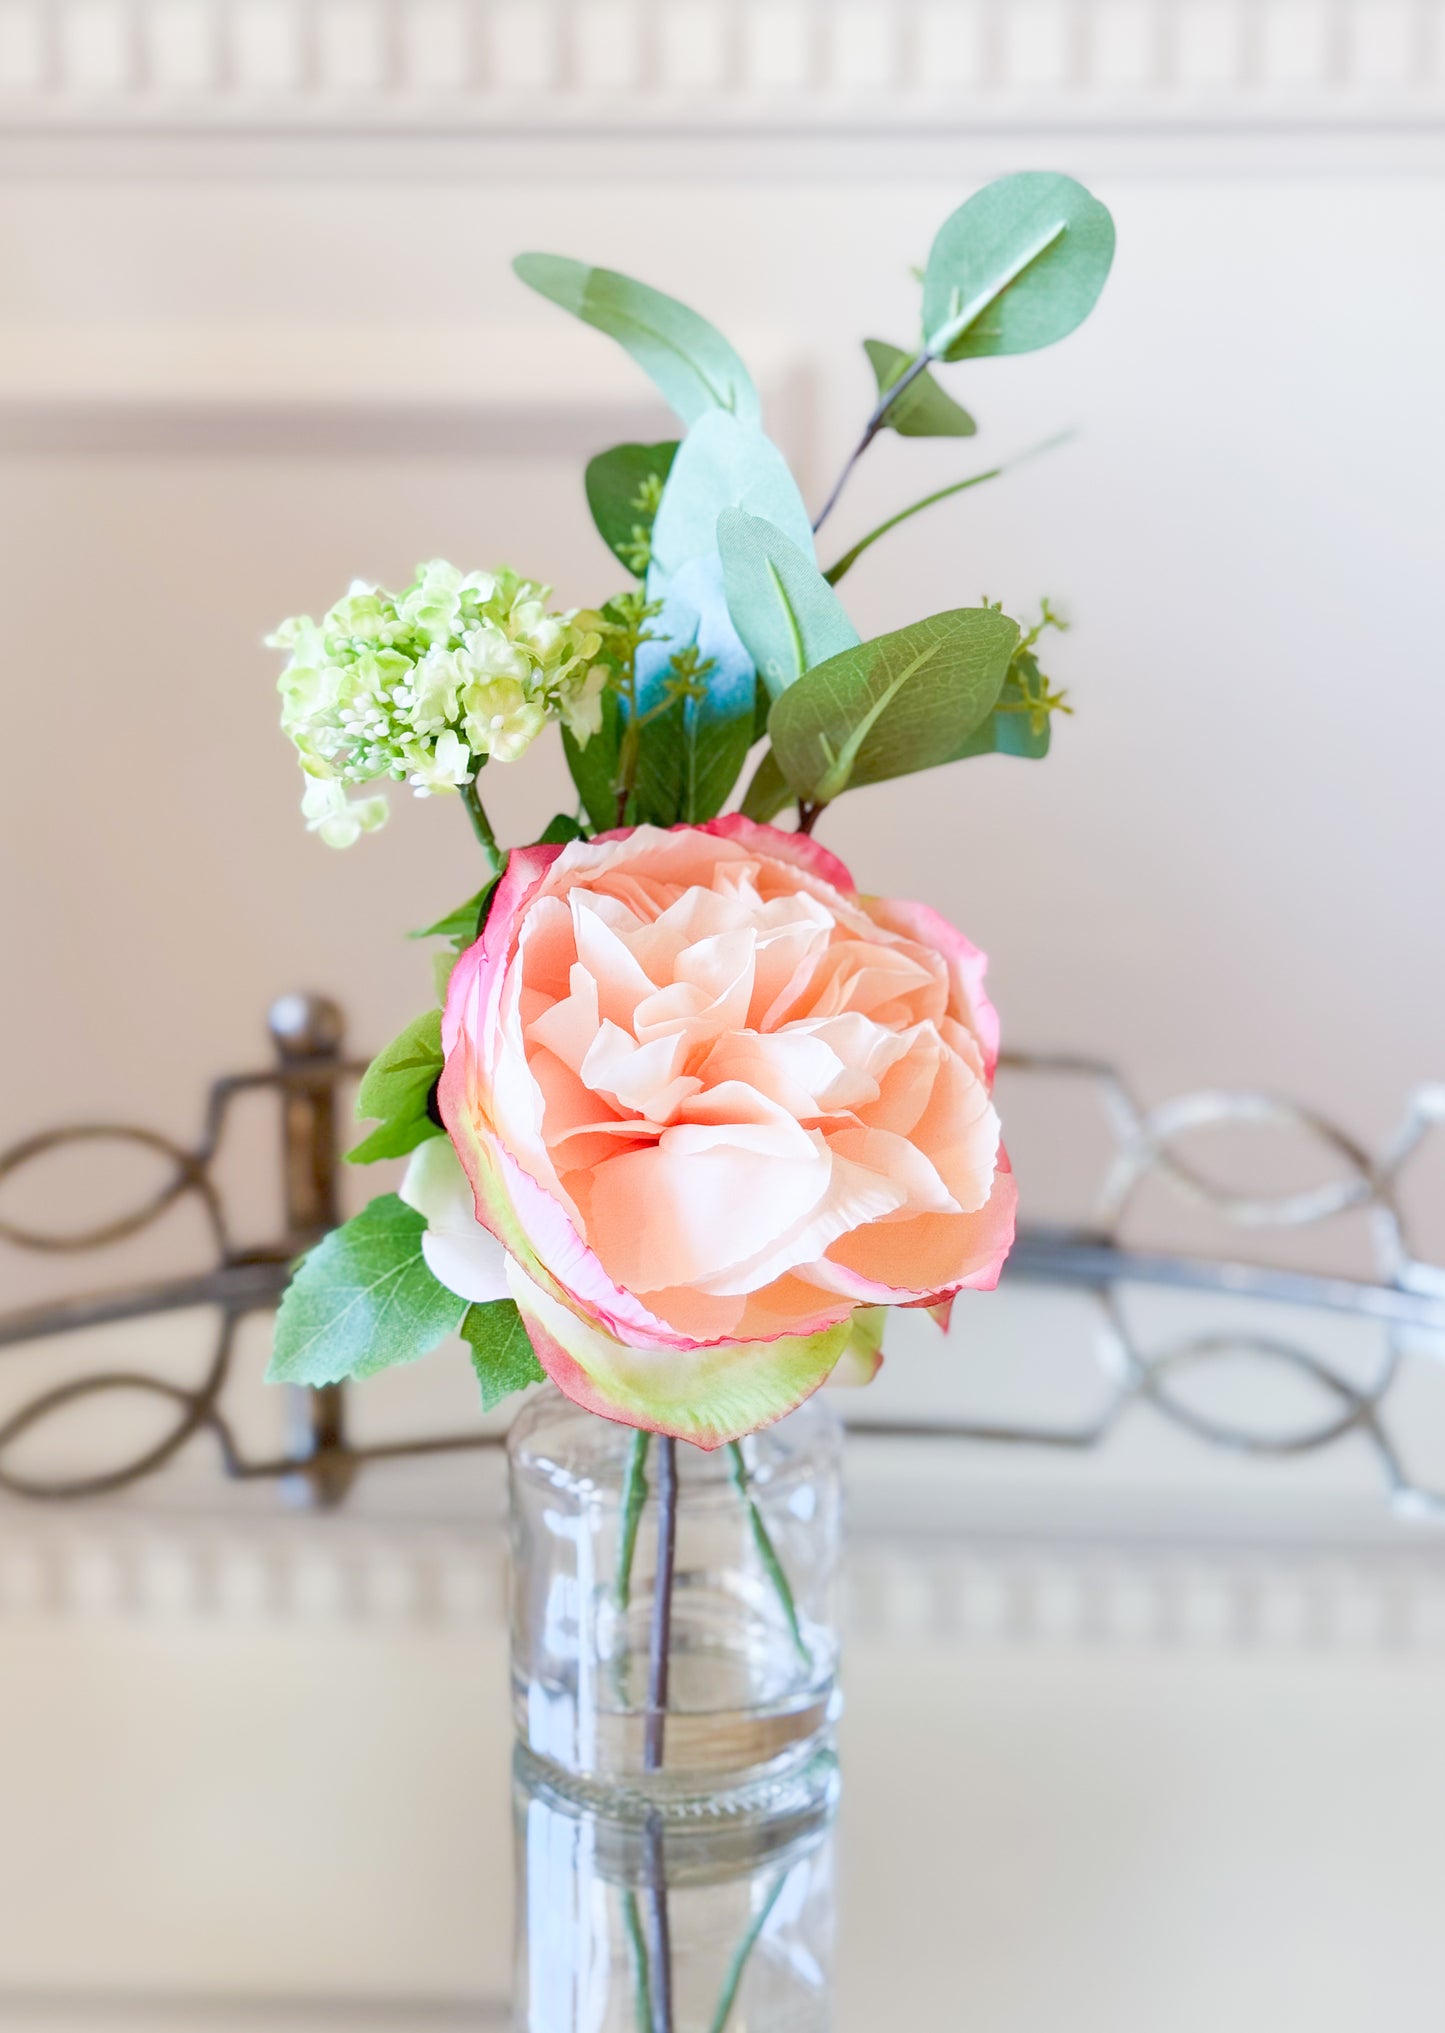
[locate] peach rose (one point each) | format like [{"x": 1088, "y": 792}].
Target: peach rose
[{"x": 711, "y": 1101}]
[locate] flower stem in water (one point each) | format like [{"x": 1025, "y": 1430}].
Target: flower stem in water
[
  {"x": 739, "y": 1963},
  {"x": 634, "y": 1497},
  {"x": 767, "y": 1551}
]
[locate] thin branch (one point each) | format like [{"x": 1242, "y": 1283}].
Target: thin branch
[
  {"x": 871, "y": 429},
  {"x": 808, "y": 815},
  {"x": 850, "y": 558}
]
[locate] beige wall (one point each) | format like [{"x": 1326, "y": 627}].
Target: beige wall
[{"x": 1229, "y": 869}]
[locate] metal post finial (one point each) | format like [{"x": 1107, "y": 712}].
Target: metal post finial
[{"x": 306, "y": 1026}]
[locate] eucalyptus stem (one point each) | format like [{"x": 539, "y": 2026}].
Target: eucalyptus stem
[
  {"x": 481, "y": 824},
  {"x": 634, "y": 1498},
  {"x": 729, "y": 1994},
  {"x": 871, "y": 429},
  {"x": 767, "y": 1551}
]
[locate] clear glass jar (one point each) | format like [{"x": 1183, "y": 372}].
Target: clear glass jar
[
  {"x": 752, "y": 1649},
  {"x": 627, "y": 1920}
]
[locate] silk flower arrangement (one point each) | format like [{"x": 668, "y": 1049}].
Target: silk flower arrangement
[{"x": 696, "y": 1112}]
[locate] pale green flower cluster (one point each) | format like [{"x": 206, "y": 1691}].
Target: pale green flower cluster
[{"x": 425, "y": 685}]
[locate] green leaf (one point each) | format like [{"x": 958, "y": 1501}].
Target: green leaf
[
  {"x": 1017, "y": 725},
  {"x": 903, "y": 702},
  {"x": 659, "y": 786},
  {"x": 501, "y": 1352},
  {"x": 692, "y": 363},
  {"x": 1009, "y": 730},
  {"x": 624, "y": 487},
  {"x": 1017, "y": 267},
  {"x": 762, "y": 706},
  {"x": 394, "y": 1090},
  {"x": 594, "y": 768},
  {"x": 361, "y": 1301},
  {"x": 1007, "y": 734},
  {"x": 923, "y": 410},
  {"x": 463, "y": 926},
  {"x": 787, "y": 614},
  {"x": 560, "y": 830},
  {"x": 686, "y": 766},
  {"x": 768, "y": 791}
]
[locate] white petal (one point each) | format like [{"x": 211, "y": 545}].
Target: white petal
[
  {"x": 459, "y": 1252},
  {"x": 473, "y": 1266}
]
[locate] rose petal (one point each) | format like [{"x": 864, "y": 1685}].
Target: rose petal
[{"x": 709, "y": 1396}]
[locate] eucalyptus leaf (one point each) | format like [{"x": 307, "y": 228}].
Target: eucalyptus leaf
[
  {"x": 1015, "y": 726},
  {"x": 762, "y": 706},
  {"x": 1018, "y": 266},
  {"x": 623, "y": 488},
  {"x": 691, "y": 362},
  {"x": 722, "y": 463},
  {"x": 768, "y": 792},
  {"x": 394, "y": 1089},
  {"x": 501, "y": 1351},
  {"x": 594, "y": 768},
  {"x": 1007, "y": 733},
  {"x": 788, "y": 616},
  {"x": 695, "y": 754},
  {"x": 903, "y": 702},
  {"x": 362, "y": 1301},
  {"x": 924, "y": 410}
]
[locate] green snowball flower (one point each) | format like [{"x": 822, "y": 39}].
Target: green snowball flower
[{"x": 426, "y": 685}]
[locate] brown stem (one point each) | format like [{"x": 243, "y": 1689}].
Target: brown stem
[
  {"x": 871, "y": 429},
  {"x": 808, "y": 815},
  {"x": 659, "y": 1642},
  {"x": 659, "y": 1927}
]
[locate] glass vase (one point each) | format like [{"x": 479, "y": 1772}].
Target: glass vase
[
  {"x": 631, "y": 1923},
  {"x": 740, "y": 1642}
]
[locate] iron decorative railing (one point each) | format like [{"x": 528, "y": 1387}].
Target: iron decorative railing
[{"x": 1405, "y": 1298}]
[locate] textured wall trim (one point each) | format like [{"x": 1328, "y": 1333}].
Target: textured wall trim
[
  {"x": 777, "y": 66},
  {"x": 158, "y": 1572}
]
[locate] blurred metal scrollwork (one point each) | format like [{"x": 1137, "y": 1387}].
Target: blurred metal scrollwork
[{"x": 1405, "y": 1297}]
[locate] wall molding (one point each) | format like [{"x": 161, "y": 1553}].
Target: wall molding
[
  {"x": 632, "y": 67},
  {"x": 114, "y": 1567}
]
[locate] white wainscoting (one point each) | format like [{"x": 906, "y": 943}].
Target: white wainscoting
[{"x": 551, "y": 64}]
